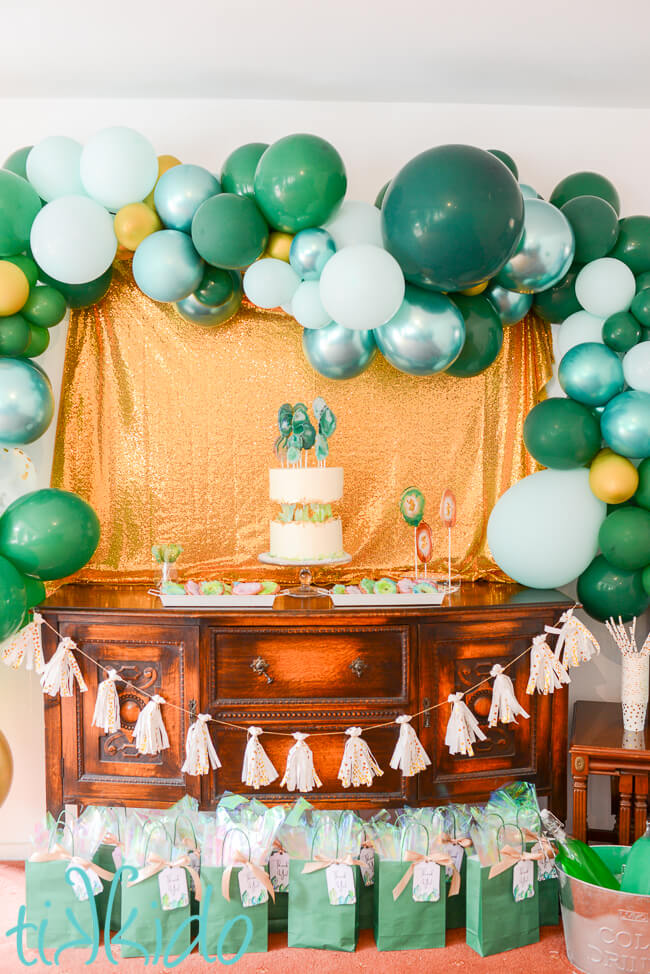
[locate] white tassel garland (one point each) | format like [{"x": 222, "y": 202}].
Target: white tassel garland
[
  {"x": 107, "y": 705},
  {"x": 409, "y": 755},
  {"x": 463, "y": 728},
  {"x": 258, "y": 768},
  {"x": 505, "y": 706},
  {"x": 200, "y": 753},
  {"x": 25, "y": 645},
  {"x": 358, "y": 766},
  {"x": 579, "y": 644},
  {"x": 300, "y": 774},
  {"x": 149, "y": 733},
  {"x": 61, "y": 671},
  {"x": 547, "y": 673}
]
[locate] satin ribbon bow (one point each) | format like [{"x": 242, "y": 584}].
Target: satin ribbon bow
[
  {"x": 510, "y": 857},
  {"x": 322, "y": 862},
  {"x": 461, "y": 840},
  {"x": 58, "y": 854},
  {"x": 545, "y": 846},
  {"x": 260, "y": 874},
  {"x": 415, "y": 857},
  {"x": 157, "y": 864},
  {"x": 111, "y": 839}
]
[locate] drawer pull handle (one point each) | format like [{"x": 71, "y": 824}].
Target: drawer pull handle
[
  {"x": 425, "y": 704},
  {"x": 260, "y": 666},
  {"x": 358, "y": 667}
]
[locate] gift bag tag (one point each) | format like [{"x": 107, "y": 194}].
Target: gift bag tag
[
  {"x": 367, "y": 860},
  {"x": 172, "y": 883},
  {"x": 523, "y": 880},
  {"x": 79, "y": 887},
  {"x": 117, "y": 856},
  {"x": 252, "y": 892},
  {"x": 546, "y": 869},
  {"x": 279, "y": 871},
  {"x": 340, "y": 884},
  {"x": 455, "y": 853},
  {"x": 426, "y": 882}
]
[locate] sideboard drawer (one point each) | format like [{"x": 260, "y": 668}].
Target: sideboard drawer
[{"x": 280, "y": 665}]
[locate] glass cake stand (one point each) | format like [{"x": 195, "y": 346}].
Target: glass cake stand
[{"x": 305, "y": 589}]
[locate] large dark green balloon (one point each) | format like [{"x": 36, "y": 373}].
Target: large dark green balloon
[
  {"x": 81, "y": 295},
  {"x": 594, "y": 222},
  {"x": 34, "y": 591},
  {"x": 645, "y": 578},
  {"x": 585, "y": 184},
  {"x": 562, "y": 434},
  {"x": 238, "y": 173},
  {"x": 642, "y": 495},
  {"x": 558, "y": 302},
  {"x": 17, "y": 161},
  {"x": 14, "y": 335},
  {"x": 229, "y": 231},
  {"x": 507, "y": 160},
  {"x": 607, "y": 592},
  {"x": 19, "y": 204},
  {"x": 44, "y": 307},
  {"x": 624, "y": 538},
  {"x": 39, "y": 340},
  {"x": 640, "y": 307},
  {"x": 299, "y": 182},
  {"x": 642, "y": 281},
  {"x": 49, "y": 533},
  {"x": 483, "y": 336},
  {"x": 621, "y": 331},
  {"x": 218, "y": 286},
  {"x": 12, "y": 599},
  {"x": 452, "y": 217},
  {"x": 633, "y": 244}
]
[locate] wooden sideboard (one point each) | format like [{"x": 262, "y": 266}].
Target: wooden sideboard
[{"x": 298, "y": 668}]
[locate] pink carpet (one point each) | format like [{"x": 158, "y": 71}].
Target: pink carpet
[{"x": 456, "y": 958}]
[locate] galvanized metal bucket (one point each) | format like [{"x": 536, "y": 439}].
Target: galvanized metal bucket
[{"x": 605, "y": 930}]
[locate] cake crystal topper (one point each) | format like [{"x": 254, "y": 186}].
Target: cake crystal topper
[{"x": 298, "y": 434}]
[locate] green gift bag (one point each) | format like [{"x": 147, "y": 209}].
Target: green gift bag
[
  {"x": 367, "y": 887},
  {"x": 279, "y": 908},
  {"x": 457, "y": 905},
  {"x": 223, "y": 934},
  {"x": 548, "y": 901},
  {"x": 313, "y": 920},
  {"x": 104, "y": 858}
]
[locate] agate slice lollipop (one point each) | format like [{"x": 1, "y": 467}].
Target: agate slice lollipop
[
  {"x": 412, "y": 507},
  {"x": 424, "y": 544},
  {"x": 448, "y": 518}
]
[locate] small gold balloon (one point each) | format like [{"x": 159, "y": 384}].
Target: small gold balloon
[
  {"x": 279, "y": 246},
  {"x": 164, "y": 163},
  {"x": 612, "y": 478},
  {"x": 477, "y": 289},
  {"x": 6, "y": 768},
  {"x": 14, "y": 288},
  {"x": 133, "y": 223}
]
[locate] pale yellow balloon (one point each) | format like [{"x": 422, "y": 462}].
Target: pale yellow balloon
[
  {"x": 164, "y": 163},
  {"x": 613, "y": 478},
  {"x": 133, "y": 223},
  {"x": 6, "y": 768},
  {"x": 477, "y": 289},
  {"x": 278, "y": 246},
  {"x": 14, "y": 288}
]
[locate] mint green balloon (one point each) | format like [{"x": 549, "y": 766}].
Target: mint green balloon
[{"x": 17, "y": 161}]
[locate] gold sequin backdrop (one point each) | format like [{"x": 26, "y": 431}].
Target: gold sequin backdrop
[{"x": 167, "y": 429}]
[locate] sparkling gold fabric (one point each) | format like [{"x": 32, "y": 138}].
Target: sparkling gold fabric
[{"x": 167, "y": 429}]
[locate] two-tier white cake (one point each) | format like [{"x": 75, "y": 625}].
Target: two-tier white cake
[{"x": 306, "y": 530}]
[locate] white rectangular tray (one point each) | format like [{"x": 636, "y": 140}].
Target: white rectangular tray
[
  {"x": 217, "y": 601},
  {"x": 398, "y": 599}
]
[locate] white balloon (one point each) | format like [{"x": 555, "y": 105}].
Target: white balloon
[
  {"x": 362, "y": 287},
  {"x": 605, "y": 286},
  {"x": 17, "y": 475},
  {"x": 118, "y": 166},
  {"x": 307, "y": 307},
  {"x": 270, "y": 283},
  {"x": 73, "y": 239},
  {"x": 543, "y": 531},
  {"x": 355, "y": 223},
  {"x": 578, "y": 328},
  {"x": 636, "y": 367},
  {"x": 53, "y": 168}
]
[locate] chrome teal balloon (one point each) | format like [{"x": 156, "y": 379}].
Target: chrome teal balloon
[
  {"x": 625, "y": 424},
  {"x": 425, "y": 336},
  {"x": 180, "y": 191},
  {"x": 338, "y": 353},
  {"x": 49, "y": 533},
  {"x": 591, "y": 373},
  {"x": 545, "y": 251},
  {"x": 198, "y": 313},
  {"x": 309, "y": 252},
  {"x": 166, "y": 266},
  {"x": 26, "y": 402},
  {"x": 511, "y": 305}
]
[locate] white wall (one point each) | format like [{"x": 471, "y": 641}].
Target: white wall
[{"x": 375, "y": 140}]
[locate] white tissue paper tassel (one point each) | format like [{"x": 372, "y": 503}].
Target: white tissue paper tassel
[
  {"x": 300, "y": 774},
  {"x": 579, "y": 644},
  {"x": 107, "y": 705},
  {"x": 25, "y": 645},
  {"x": 200, "y": 753},
  {"x": 505, "y": 706},
  {"x": 258, "y": 768},
  {"x": 463, "y": 728},
  {"x": 149, "y": 733},
  {"x": 358, "y": 766},
  {"x": 61, "y": 671},
  {"x": 547, "y": 673},
  {"x": 409, "y": 755}
]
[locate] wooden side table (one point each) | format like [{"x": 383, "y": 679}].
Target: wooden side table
[{"x": 599, "y": 745}]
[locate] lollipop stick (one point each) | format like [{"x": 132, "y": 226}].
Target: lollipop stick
[
  {"x": 449, "y": 559},
  {"x": 415, "y": 551}
]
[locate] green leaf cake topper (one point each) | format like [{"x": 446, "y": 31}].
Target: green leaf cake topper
[{"x": 298, "y": 434}]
